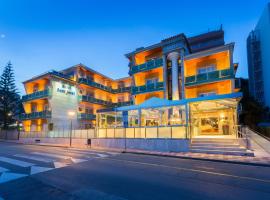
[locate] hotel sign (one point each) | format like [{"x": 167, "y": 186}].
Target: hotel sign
[{"x": 66, "y": 89}]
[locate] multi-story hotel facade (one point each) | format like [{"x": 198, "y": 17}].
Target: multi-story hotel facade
[
  {"x": 186, "y": 83},
  {"x": 54, "y": 98}
]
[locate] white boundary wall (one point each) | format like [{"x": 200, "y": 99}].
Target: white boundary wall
[{"x": 164, "y": 145}]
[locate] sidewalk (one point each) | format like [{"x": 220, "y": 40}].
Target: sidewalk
[{"x": 261, "y": 158}]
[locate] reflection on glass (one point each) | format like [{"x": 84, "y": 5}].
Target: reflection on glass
[{"x": 133, "y": 118}]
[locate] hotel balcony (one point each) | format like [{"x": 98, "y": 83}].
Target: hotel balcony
[
  {"x": 86, "y": 116},
  {"x": 36, "y": 115},
  {"x": 213, "y": 76},
  {"x": 124, "y": 103},
  {"x": 152, "y": 64},
  {"x": 147, "y": 88},
  {"x": 37, "y": 95},
  {"x": 102, "y": 102},
  {"x": 103, "y": 87},
  {"x": 121, "y": 90},
  {"x": 94, "y": 100}
]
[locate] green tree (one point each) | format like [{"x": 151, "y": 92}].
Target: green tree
[{"x": 9, "y": 97}]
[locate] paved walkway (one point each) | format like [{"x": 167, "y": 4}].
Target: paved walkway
[{"x": 265, "y": 160}]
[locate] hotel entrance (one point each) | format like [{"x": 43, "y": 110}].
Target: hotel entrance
[{"x": 215, "y": 118}]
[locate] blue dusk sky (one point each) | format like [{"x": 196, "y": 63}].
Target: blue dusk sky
[{"x": 40, "y": 35}]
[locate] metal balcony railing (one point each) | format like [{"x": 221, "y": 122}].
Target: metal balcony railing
[
  {"x": 152, "y": 64},
  {"x": 147, "y": 88},
  {"x": 36, "y": 95},
  {"x": 209, "y": 77},
  {"x": 36, "y": 115}
]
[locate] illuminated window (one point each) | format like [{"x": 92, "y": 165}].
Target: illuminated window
[
  {"x": 206, "y": 69},
  {"x": 206, "y": 94},
  {"x": 151, "y": 81}
]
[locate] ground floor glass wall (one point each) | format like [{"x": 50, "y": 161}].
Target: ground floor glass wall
[{"x": 213, "y": 118}]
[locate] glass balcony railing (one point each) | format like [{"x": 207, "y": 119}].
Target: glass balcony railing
[
  {"x": 36, "y": 95},
  {"x": 36, "y": 115},
  {"x": 86, "y": 116},
  {"x": 147, "y": 88},
  {"x": 152, "y": 64},
  {"x": 121, "y": 90},
  {"x": 124, "y": 103},
  {"x": 103, "y": 102},
  {"x": 94, "y": 100},
  {"x": 103, "y": 87},
  {"x": 209, "y": 77},
  {"x": 59, "y": 74}
]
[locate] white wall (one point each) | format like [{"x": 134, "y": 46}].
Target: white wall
[{"x": 62, "y": 101}]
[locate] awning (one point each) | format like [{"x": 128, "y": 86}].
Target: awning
[{"x": 155, "y": 102}]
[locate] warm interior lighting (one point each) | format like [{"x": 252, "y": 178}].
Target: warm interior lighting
[{"x": 71, "y": 113}]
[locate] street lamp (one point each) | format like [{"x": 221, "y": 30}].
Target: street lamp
[{"x": 71, "y": 114}]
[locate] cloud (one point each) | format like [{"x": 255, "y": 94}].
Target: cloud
[{"x": 2, "y": 36}]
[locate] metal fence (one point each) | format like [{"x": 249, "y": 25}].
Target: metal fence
[{"x": 9, "y": 134}]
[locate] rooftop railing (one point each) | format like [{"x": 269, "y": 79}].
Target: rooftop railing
[
  {"x": 147, "y": 88},
  {"x": 209, "y": 77},
  {"x": 36, "y": 95},
  {"x": 152, "y": 64}
]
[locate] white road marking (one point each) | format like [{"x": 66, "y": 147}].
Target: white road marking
[
  {"x": 7, "y": 176},
  {"x": 41, "y": 159},
  {"x": 37, "y": 169},
  {"x": 77, "y": 160},
  {"x": 102, "y": 155},
  {"x": 59, "y": 164},
  {"x": 52, "y": 155},
  {"x": 16, "y": 162},
  {"x": 2, "y": 169}
]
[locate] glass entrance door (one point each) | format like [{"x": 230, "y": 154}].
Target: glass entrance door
[{"x": 211, "y": 119}]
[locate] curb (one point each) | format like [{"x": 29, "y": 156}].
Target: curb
[{"x": 202, "y": 159}]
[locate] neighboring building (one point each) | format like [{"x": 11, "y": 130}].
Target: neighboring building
[
  {"x": 258, "y": 50},
  {"x": 53, "y": 96},
  {"x": 192, "y": 80}
]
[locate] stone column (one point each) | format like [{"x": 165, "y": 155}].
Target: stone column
[
  {"x": 182, "y": 54},
  {"x": 165, "y": 77},
  {"x": 175, "y": 85}
]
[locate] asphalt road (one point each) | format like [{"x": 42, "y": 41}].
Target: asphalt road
[{"x": 40, "y": 172}]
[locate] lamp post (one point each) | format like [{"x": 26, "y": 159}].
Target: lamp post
[{"x": 71, "y": 114}]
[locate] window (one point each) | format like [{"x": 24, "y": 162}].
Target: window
[
  {"x": 207, "y": 69},
  {"x": 151, "y": 81},
  {"x": 121, "y": 84},
  {"x": 206, "y": 94},
  {"x": 121, "y": 99},
  {"x": 35, "y": 88}
]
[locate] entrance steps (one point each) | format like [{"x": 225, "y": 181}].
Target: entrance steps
[{"x": 219, "y": 146}]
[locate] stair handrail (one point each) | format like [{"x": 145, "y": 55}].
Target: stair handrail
[
  {"x": 241, "y": 132},
  {"x": 250, "y": 129}
]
